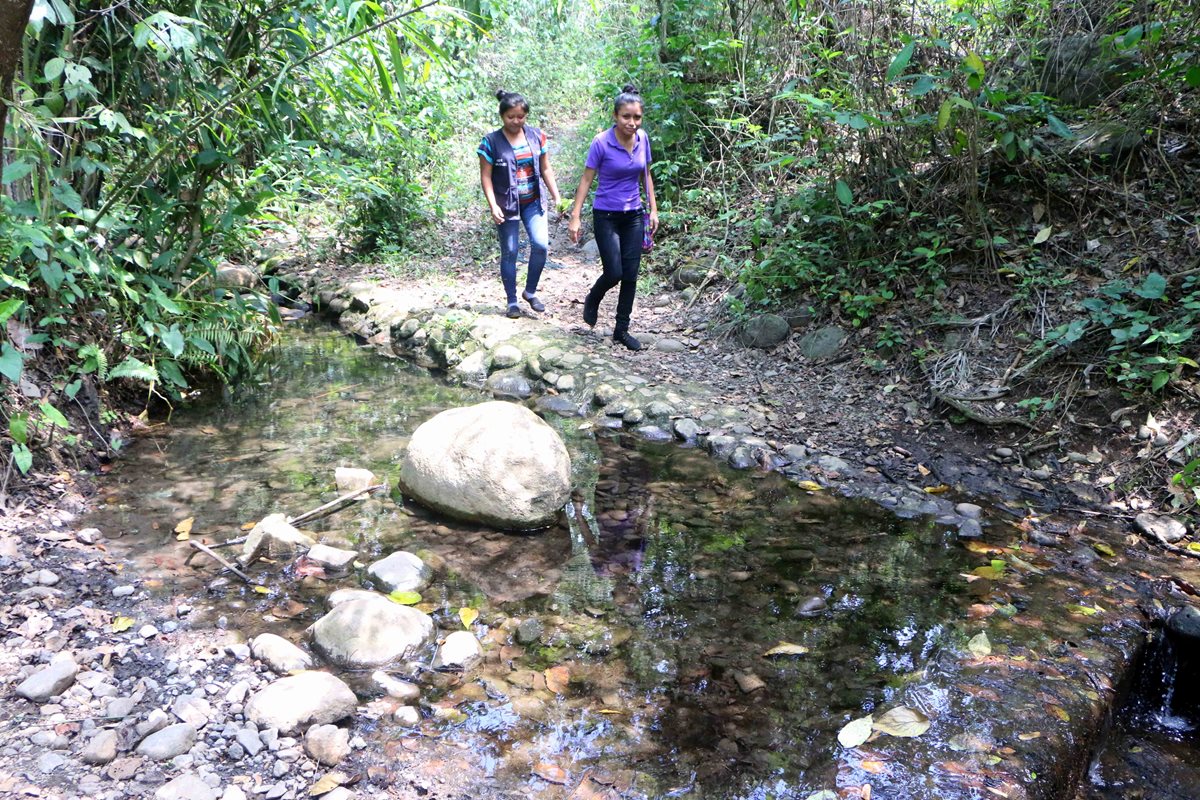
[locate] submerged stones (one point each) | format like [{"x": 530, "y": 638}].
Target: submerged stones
[
  {"x": 401, "y": 572},
  {"x": 275, "y": 535},
  {"x": 292, "y": 703},
  {"x": 279, "y": 654},
  {"x": 366, "y": 632},
  {"x": 494, "y": 462}
]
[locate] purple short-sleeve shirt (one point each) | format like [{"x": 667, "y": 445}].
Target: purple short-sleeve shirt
[{"x": 618, "y": 171}]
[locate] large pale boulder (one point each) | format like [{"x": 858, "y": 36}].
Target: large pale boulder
[
  {"x": 365, "y": 632},
  {"x": 495, "y": 462},
  {"x": 310, "y": 698}
]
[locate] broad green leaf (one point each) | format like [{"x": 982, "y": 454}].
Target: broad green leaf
[
  {"x": 18, "y": 428},
  {"x": 980, "y": 645},
  {"x": 405, "y": 598},
  {"x": 54, "y": 415},
  {"x": 52, "y": 274},
  {"x": 1159, "y": 380},
  {"x": 1043, "y": 234},
  {"x": 1192, "y": 78},
  {"x": 1059, "y": 128},
  {"x": 943, "y": 118},
  {"x": 843, "y": 192},
  {"x": 11, "y": 362},
  {"x": 9, "y": 307},
  {"x": 902, "y": 721},
  {"x": 855, "y": 733},
  {"x": 22, "y": 457},
  {"x": 172, "y": 339},
  {"x": 900, "y": 62},
  {"x": 15, "y": 171},
  {"x": 1103, "y": 549},
  {"x": 54, "y": 68},
  {"x": 1154, "y": 287}
]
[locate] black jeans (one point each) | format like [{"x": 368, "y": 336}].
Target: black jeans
[{"x": 619, "y": 239}]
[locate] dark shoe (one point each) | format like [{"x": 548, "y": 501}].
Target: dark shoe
[
  {"x": 623, "y": 337},
  {"x": 591, "y": 310},
  {"x": 514, "y": 311},
  {"x": 534, "y": 303}
]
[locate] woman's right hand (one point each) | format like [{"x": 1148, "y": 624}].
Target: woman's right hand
[
  {"x": 574, "y": 228},
  {"x": 497, "y": 215}
]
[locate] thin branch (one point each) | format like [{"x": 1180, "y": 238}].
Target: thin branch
[
  {"x": 222, "y": 560},
  {"x": 320, "y": 511}
]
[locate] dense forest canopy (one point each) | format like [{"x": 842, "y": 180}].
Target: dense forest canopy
[{"x": 856, "y": 158}]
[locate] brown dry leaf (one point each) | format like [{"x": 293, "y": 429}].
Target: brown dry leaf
[
  {"x": 1059, "y": 712},
  {"x": 328, "y": 783},
  {"x": 749, "y": 682},
  {"x": 902, "y": 721},
  {"x": 980, "y": 611},
  {"x": 1025, "y": 737},
  {"x": 550, "y": 772},
  {"x": 183, "y": 531},
  {"x": 924, "y": 470},
  {"x": 306, "y": 568},
  {"x": 557, "y": 679},
  {"x": 874, "y": 767},
  {"x": 289, "y": 609}
]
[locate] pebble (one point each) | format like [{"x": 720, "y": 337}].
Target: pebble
[
  {"x": 89, "y": 535},
  {"x": 147, "y": 631},
  {"x": 41, "y": 577},
  {"x": 968, "y": 510},
  {"x": 249, "y": 740},
  {"x": 970, "y": 529},
  {"x": 101, "y": 749},
  {"x": 120, "y": 707},
  {"x": 327, "y": 744},
  {"x": 49, "y": 762},
  {"x": 123, "y": 591},
  {"x": 171, "y": 741}
]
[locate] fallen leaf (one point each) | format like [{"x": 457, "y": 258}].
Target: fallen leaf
[
  {"x": 902, "y": 721},
  {"x": 467, "y": 615},
  {"x": 248, "y": 526},
  {"x": 855, "y": 732},
  {"x": 983, "y": 548},
  {"x": 262, "y": 590},
  {"x": 289, "y": 609},
  {"x": 941, "y": 488},
  {"x": 1025, "y": 737},
  {"x": 1059, "y": 712},
  {"x": 980, "y": 645},
  {"x": 824, "y": 794},
  {"x": 809, "y": 486},
  {"x": 1084, "y": 611},
  {"x": 121, "y": 624},
  {"x": 557, "y": 679},
  {"x": 1043, "y": 234},
  {"x": 924, "y": 470},
  {"x": 328, "y": 783},
  {"x": 183, "y": 530},
  {"x": 786, "y": 649},
  {"x": 306, "y": 568},
  {"x": 1103, "y": 549},
  {"x": 873, "y": 767},
  {"x": 550, "y": 772},
  {"x": 405, "y": 598},
  {"x": 749, "y": 682},
  {"x": 980, "y": 611}
]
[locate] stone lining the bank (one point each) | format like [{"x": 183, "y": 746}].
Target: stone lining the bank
[{"x": 521, "y": 359}]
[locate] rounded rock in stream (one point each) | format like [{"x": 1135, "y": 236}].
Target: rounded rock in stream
[
  {"x": 370, "y": 633},
  {"x": 496, "y": 463},
  {"x": 310, "y": 698}
]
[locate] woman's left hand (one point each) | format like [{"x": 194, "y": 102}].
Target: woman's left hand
[{"x": 654, "y": 222}]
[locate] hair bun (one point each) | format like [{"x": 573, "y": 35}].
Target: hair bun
[
  {"x": 629, "y": 88},
  {"x": 501, "y": 94}
]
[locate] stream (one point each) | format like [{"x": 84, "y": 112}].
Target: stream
[{"x": 626, "y": 647}]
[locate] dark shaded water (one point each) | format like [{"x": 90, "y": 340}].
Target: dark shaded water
[{"x": 659, "y": 594}]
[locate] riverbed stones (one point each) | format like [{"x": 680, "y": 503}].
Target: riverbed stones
[
  {"x": 171, "y": 741},
  {"x": 460, "y": 650},
  {"x": 333, "y": 559},
  {"x": 509, "y": 384},
  {"x": 186, "y": 787},
  {"x": 310, "y": 698},
  {"x": 366, "y": 633},
  {"x": 765, "y": 331},
  {"x": 327, "y": 744},
  {"x": 49, "y": 681},
  {"x": 505, "y": 356},
  {"x": 968, "y": 510},
  {"x": 101, "y": 748},
  {"x": 276, "y": 536},
  {"x": 496, "y": 463},
  {"x": 1185, "y": 624},
  {"x": 687, "y": 430},
  {"x": 823, "y": 343},
  {"x": 279, "y": 654},
  {"x": 401, "y": 572},
  {"x": 346, "y": 595},
  {"x": 395, "y": 687},
  {"x": 353, "y": 479},
  {"x": 1164, "y": 529}
]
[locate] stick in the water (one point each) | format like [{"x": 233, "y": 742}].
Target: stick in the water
[
  {"x": 220, "y": 559},
  {"x": 328, "y": 507}
]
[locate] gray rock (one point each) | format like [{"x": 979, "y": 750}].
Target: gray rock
[
  {"x": 505, "y": 356},
  {"x": 832, "y": 464},
  {"x": 367, "y": 633},
  {"x": 529, "y": 630},
  {"x": 401, "y": 572},
  {"x": 968, "y": 510},
  {"x": 658, "y": 409},
  {"x": 690, "y": 275},
  {"x": 49, "y": 762},
  {"x": 327, "y": 744},
  {"x": 667, "y": 345},
  {"x": 394, "y": 687},
  {"x": 794, "y": 452},
  {"x": 310, "y": 698},
  {"x": 279, "y": 654},
  {"x": 193, "y": 709},
  {"x": 249, "y": 740},
  {"x": 407, "y": 715},
  {"x": 236, "y": 793},
  {"x": 41, "y": 577},
  {"x": 510, "y": 384},
  {"x": 460, "y": 650},
  {"x": 496, "y": 462},
  {"x": 604, "y": 394},
  {"x": 812, "y": 606},
  {"x": 634, "y": 416},
  {"x": 1185, "y": 623},
  {"x": 101, "y": 748},
  {"x": 49, "y": 681},
  {"x": 276, "y": 536},
  {"x": 590, "y": 249},
  {"x": 353, "y": 479},
  {"x": 340, "y": 596},
  {"x": 156, "y": 720},
  {"x": 687, "y": 430},
  {"x": 566, "y": 383},
  {"x": 333, "y": 559},
  {"x": 970, "y": 529},
  {"x": 123, "y": 591},
  {"x": 186, "y": 787},
  {"x": 654, "y": 433},
  {"x": 742, "y": 457},
  {"x": 1165, "y": 529},
  {"x": 765, "y": 331},
  {"x": 89, "y": 535},
  {"x": 171, "y": 741},
  {"x": 823, "y": 343},
  {"x": 720, "y": 446}
]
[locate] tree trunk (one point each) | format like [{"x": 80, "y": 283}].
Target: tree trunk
[{"x": 14, "y": 16}]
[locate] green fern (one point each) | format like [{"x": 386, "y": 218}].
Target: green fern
[{"x": 94, "y": 359}]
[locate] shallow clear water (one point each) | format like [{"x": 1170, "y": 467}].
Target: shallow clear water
[{"x": 668, "y": 579}]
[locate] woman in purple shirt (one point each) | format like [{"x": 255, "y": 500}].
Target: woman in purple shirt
[{"x": 620, "y": 156}]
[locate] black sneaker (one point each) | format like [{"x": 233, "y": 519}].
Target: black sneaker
[
  {"x": 534, "y": 303},
  {"x": 623, "y": 337},
  {"x": 514, "y": 311},
  {"x": 590, "y": 311}
]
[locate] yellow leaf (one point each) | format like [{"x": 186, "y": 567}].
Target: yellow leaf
[
  {"x": 786, "y": 649},
  {"x": 980, "y": 645},
  {"x": 856, "y": 732},
  {"x": 248, "y": 526},
  {"x": 328, "y": 783},
  {"x": 902, "y": 721},
  {"x": 184, "y": 529},
  {"x": 1194, "y": 547},
  {"x": 122, "y": 624},
  {"x": 262, "y": 590},
  {"x": 1084, "y": 611},
  {"x": 1059, "y": 712},
  {"x": 1025, "y": 737},
  {"x": 405, "y": 598},
  {"x": 809, "y": 486},
  {"x": 1043, "y": 235},
  {"x": 467, "y": 615},
  {"x": 939, "y": 489},
  {"x": 1103, "y": 549}
]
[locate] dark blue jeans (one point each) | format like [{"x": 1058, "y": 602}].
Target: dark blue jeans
[
  {"x": 534, "y": 221},
  {"x": 619, "y": 239}
]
